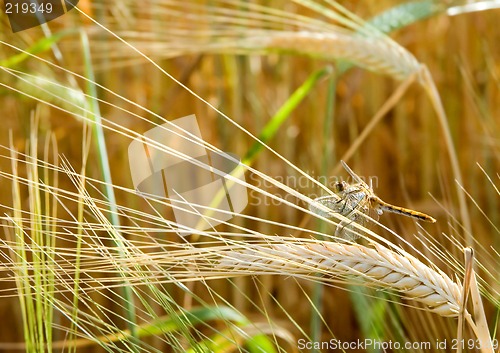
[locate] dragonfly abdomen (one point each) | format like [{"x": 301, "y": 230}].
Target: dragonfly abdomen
[{"x": 384, "y": 206}]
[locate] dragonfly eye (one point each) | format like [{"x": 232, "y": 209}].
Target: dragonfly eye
[{"x": 339, "y": 186}]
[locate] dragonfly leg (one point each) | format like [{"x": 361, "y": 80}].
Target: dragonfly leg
[{"x": 345, "y": 231}]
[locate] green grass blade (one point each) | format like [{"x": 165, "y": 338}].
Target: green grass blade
[
  {"x": 40, "y": 46},
  {"x": 128, "y": 299}
]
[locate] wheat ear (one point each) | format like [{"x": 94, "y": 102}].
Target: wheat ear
[
  {"x": 379, "y": 267},
  {"x": 375, "y": 54}
]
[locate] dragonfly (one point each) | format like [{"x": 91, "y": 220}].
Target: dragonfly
[{"x": 355, "y": 202}]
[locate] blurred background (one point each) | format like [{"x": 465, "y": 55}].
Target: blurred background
[{"x": 404, "y": 151}]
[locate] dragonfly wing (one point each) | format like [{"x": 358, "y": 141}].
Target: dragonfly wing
[
  {"x": 332, "y": 203},
  {"x": 350, "y": 206}
]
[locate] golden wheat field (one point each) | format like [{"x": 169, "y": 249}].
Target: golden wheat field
[{"x": 220, "y": 176}]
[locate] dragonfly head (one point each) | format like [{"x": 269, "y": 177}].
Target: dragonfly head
[{"x": 340, "y": 186}]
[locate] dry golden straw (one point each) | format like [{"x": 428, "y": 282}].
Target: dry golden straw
[{"x": 378, "y": 266}]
